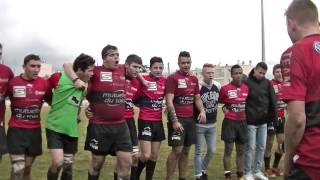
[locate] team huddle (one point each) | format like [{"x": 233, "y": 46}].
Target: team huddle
[{"x": 254, "y": 110}]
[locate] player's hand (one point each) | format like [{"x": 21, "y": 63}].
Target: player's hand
[
  {"x": 79, "y": 84},
  {"x": 147, "y": 83},
  {"x": 78, "y": 119},
  {"x": 202, "y": 117},
  {"x": 89, "y": 113},
  {"x": 225, "y": 109},
  {"x": 191, "y": 73},
  {"x": 177, "y": 126}
]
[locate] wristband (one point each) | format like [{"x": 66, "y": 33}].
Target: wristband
[{"x": 75, "y": 79}]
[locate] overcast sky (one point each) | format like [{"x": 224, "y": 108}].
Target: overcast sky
[{"x": 212, "y": 31}]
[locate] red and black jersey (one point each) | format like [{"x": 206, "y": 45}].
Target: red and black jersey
[
  {"x": 132, "y": 87},
  {"x": 5, "y": 76},
  {"x": 234, "y": 99},
  {"x": 106, "y": 94},
  {"x": 301, "y": 67},
  {"x": 278, "y": 89},
  {"x": 151, "y": 98},
  {"x": 26, "y": 98},
  {"x": 184, "y": 87}
]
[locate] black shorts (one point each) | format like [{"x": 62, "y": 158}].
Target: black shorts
[
  {"x": 185, "y": 138},
  {"x": 276, "y": 127},
  {"x": 296, "y": 172},
  {"x": 151, "y": 130},
  {"x": 279, "y": 125},
  {"x": 234, "y": 131},
  {"x": 57, "y": 140},
  {"x": 24, "y": 141},
  {"x": 103, "y": 139},
  {"x": 133, "y": 131}
]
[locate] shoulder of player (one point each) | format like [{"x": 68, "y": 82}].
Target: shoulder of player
[
  {"x": 163, "y": 78},
  {"x": 97, "y": 69},
  {"x": 304, "y": 43},
  {"x": 217, "y": 84},
  {"x": 194, "y": 78},
  {"x": 135, "y": 81},
  {"x": 172, "y": 75},
  {"x": 6, "y": 69},
  {"x": 16, "y": 79},
  {"x": 56, "y": 75},
  {"x": 224, "y": 88},
  {"x": 244, "y": 87}
]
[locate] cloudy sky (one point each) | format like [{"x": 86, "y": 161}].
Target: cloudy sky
[{"x": 222, "y": 32}]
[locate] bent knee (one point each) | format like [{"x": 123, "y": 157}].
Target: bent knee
[
  {"x": 145, "y": 156},
  {"x": 96, "y": 166},
  {"x": 135, "y": 160},
  {"x": 57, "y": 163},
  {"x": 185, "y": 151},
  {"x": 126, "y": 162},
  {"x": 177, "y": 153},
  {"x": 249, "y": 147},
  {"x": 153, "y": 157}
]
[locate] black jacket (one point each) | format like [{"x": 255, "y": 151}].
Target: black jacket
[{"x": 261, "y": 101}]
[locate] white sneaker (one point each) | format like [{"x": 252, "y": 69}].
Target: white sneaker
[
  {"x": 248, "y": 176},
  {"x": 260, "y": 176}
]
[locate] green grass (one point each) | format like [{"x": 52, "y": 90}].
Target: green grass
[{"x": 81, "y": 163}]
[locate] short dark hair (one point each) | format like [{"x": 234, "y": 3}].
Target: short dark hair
[
  {"x": 133, "y": 58},
  {"x": 277, "y": 66},
  {"x": 30, "y": 57},
  {"x": 303, "y": 11},
  {"x": 184, "y": 54},
  {"x": 262, "y": 65},
  {"x": 83, "y": 61},
  {"x": 155, "y": 59},
  {"x": 236, "y": 66},
  {"x": 105, "y": 50}
]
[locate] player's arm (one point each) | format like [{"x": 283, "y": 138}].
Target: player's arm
[
  {"x": 273, "y": 104},
  {"x": 172, "y": 113},
  {"x": 143, "y": 80},
  {"x": 52, "y": 83},
  {"x": 6, "y": 93},
  {"x": 294, "y": 129},
  {"x": 48, "y": 96},
  {"x": 68, "y": 69},
  {"x": 199, "y": 105}
]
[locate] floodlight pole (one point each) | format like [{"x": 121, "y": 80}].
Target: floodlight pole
[{"x": 263, "y": 53}]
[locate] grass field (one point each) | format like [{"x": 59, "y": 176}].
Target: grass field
[{"x": 80, "y": 167}]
